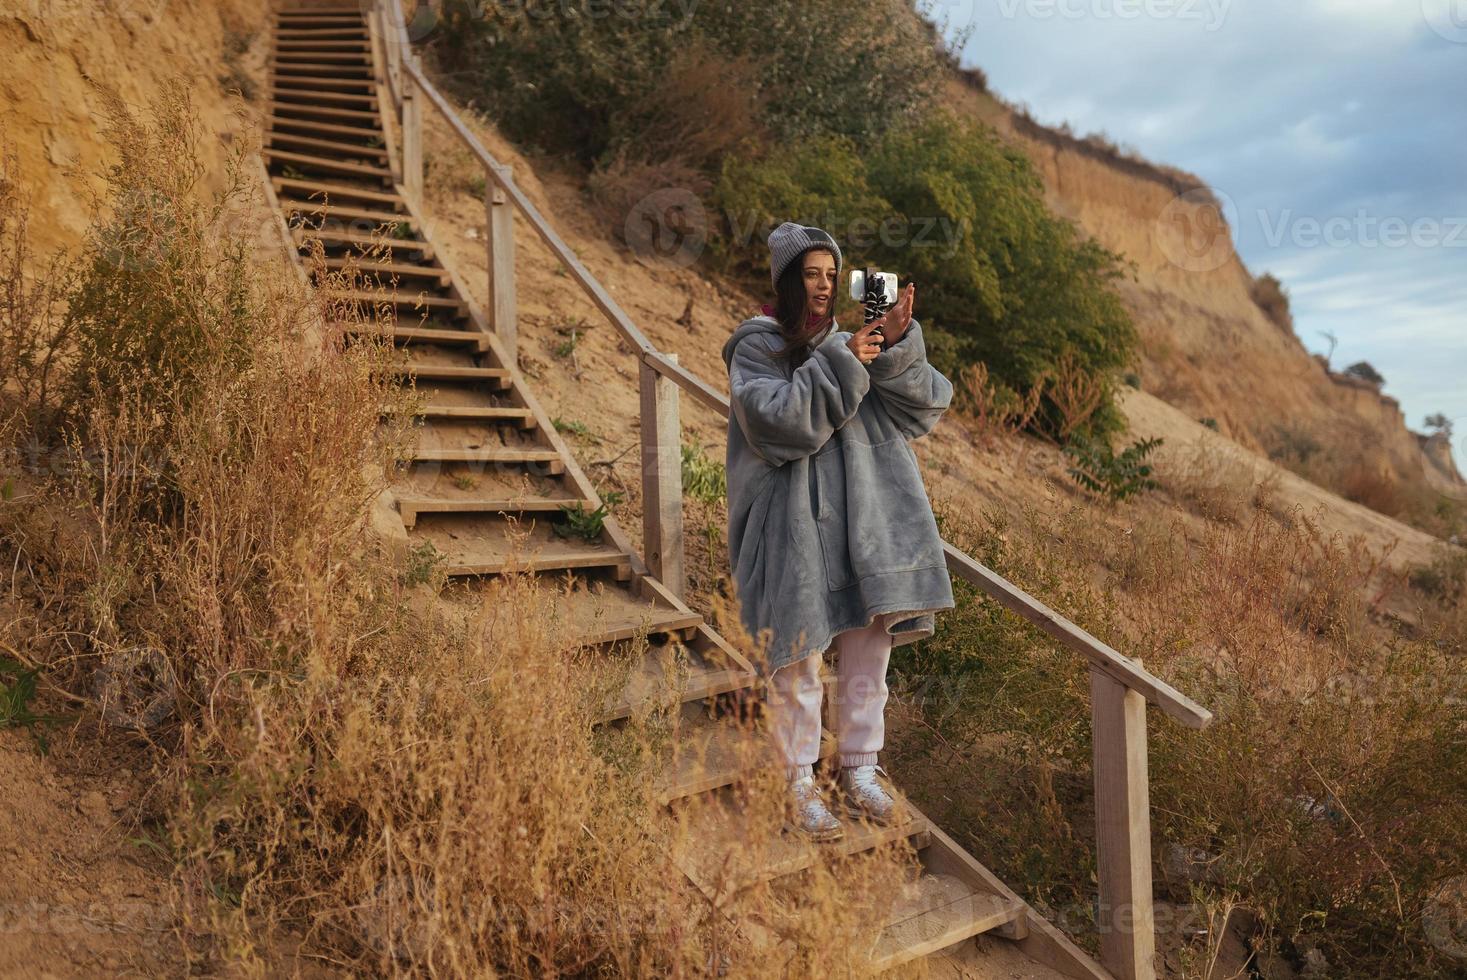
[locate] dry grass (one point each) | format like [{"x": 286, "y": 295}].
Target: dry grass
[
  {"x": 1331, "y": 779},
  {"x": 355, "y": 774}
]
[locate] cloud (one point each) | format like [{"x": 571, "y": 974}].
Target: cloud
[{"x": 1327, "y": 122}]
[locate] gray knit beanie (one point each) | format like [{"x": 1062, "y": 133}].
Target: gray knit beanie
[{"x": 789, "y": 240}]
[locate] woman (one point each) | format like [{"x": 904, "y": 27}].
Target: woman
[{"x": 831, "y": 536}]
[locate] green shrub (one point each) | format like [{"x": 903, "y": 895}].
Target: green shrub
[
  {"x": 703, "y": 478},
  {"x": 947, "y": 204},
  {"x": 1099, "y": 469},
  {"x": 589, "y": 85}
]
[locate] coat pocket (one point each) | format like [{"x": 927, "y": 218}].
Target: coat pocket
[{"x": 872, "y": 513}]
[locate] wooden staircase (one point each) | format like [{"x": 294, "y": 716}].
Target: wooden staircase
[{"x": 490, "y": 482}]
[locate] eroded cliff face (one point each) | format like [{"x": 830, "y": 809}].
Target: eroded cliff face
[
  {"x": 60, "y": 59},
  {"x": 1207, "y": 347}
]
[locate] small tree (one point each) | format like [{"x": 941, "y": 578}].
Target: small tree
[{"x": 1363, "y": 371}]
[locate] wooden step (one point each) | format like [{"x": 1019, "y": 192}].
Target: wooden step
[
  {"x": 285, "y": 92},
  {"x": 727, "y": 850},
  {"x": 288, "y": 110},
  {"x": 662, "y": 672},
  {"x": 451, "y": 372},
  {"x": 348, "y": 45},
  {"x": 714, "y": 752},
  {"x": 478, "y": 545},
  {"x": 410, "y": 507},
  {"x": 288, "y": 81},
  {"x": 336, "y": 192},
  {"x": 419, "y": 335},
  {"x": 352, "y": 59},
  {"x": 313, "y": 209},
  {"x": 293, "y": 66},
  {"x": 328, "y": 164},
  {"x": 346, "y": 32},
  {"x": 416, "y": 301},
  {"x": 522, "y": 417},
  {"x": 332, "y": 237},
  {"x": 489, "y": 454},
  {"x": 290, "y": 19},
  {"x": 345, "y": 149},
  {"x": 403, "y": 270},
  {"x": 935, "y": 911},
  {"x": 277, "y": 123}
]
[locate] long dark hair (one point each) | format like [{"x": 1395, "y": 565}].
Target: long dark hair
[{"x": 790, "y": 300}]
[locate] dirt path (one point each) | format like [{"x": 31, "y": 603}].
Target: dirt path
[{"x": 79, "y": 896}]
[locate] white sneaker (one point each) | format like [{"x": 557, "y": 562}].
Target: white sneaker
[
  {"x": 807, "y": 813},
  {"x": 864, "y": 796}
]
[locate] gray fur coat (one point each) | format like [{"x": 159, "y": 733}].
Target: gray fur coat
[{"x": 829, "y": 525}]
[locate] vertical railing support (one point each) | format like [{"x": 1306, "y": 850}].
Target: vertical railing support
[
  {"x": 502, "y": 315},
  {"x": 1122, "y": 829},
  {"x": 662, "y": 479},
  {"x": 412, "y": 139}
]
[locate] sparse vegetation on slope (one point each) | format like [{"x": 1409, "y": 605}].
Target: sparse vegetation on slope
[{"x": 353, "y": 775}]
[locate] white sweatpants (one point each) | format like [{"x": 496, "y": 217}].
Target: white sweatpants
[{"x": 796, "y": 693}]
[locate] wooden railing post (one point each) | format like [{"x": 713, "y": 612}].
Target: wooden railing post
[
  {"x": 502, "y": 315},
  {"x": 1122, "y": 829},
  {"x": 412, "y": 139},
  {"x": 662, "y": 479}
]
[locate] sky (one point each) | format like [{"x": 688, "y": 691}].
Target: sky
[{"x": 1334, "y": 131}]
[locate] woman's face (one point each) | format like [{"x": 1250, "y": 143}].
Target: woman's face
[{"x": 819, "y": 270}]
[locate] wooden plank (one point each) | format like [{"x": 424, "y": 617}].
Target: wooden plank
[
  {"x": 346, "y": 149},
  {"x": 715, "y": 752},
  {"x": 411, "y": 506},
  {"x": 303, "y": 235},
  {"x": 495, "y": 455},
  {"x": 420, "y": 335},
  {"x": 316, "y": 126},
  {"x": 447, "y": 372},
  {"x": 1040, "y": 939},
  {"x": 325, "y": 163},
  {"x": 321, "y": 46},
  {"x": 662, "y": 481},
  {"x": 289, "y": 90},
  {"x": 1121, "y": 669},
  {"x": 346, "y": 211},
  {"x": 1122, "y": 829},
  {"x": 352, "y": 58},
  {"x": 323, "y": 82},
  {"x": 500, "y": 243},
  {"x": 725, "y": 852},
  {"x": 404, "y": 270},
  {"x": 487, "y": 413},
  {"x": 412, "y": 142},
  {"x": 306, "y": 110},
  {"x": 337, "y": 190},
  {"x": 419, "y": 300},
  {"x": 324, "y": 33},
  {"x": 937, "y": 912}
]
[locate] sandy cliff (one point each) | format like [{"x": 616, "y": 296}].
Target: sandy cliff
[{"x": 1207, "y": 347}]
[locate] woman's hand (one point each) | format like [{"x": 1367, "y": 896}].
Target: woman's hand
[
  {"x": 894, "y": 325},
  {"x": 865, "y": 343}
]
